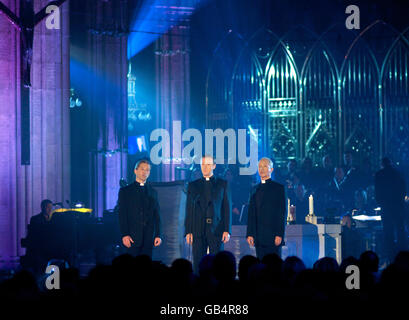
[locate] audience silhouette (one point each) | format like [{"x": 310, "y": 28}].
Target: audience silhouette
[{"x": 142, "y": 283}]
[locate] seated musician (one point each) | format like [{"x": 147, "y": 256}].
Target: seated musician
[
  {"x": 45, "y": 215},
  {"x": 37, "y": 254}
]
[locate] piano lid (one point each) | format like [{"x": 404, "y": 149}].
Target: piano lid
[{"x": 82, "y": 210}]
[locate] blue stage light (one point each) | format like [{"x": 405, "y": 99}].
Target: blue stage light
[{"x": 154, "y": 18}]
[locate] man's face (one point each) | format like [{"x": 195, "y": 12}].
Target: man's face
[
  {"x": 207, "y": 166},
  {"x": 264, "y": 169},
  {"x": 143, "y": 171},
  {"x": 49, "y": 208}
]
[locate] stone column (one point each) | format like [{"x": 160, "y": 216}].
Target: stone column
[
  {"x": 172, "y": 87},
  {"x": 48, "y": 176},
  {"x": 107, "y": 117}
]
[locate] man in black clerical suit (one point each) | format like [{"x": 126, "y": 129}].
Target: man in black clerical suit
[
  {"x": 208, "y": 213},
  {"x": 266, "y": 213},
  {"x": 390, "y": 190},
  {"x": 139, "y": 216}
]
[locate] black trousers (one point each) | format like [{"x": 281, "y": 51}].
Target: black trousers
[
  {"x": 144, "y": 247},
  {"x": 394, "y": 228},
  {"x": 261, "y": 251},
  {"x": 200, "y": 245},
  {"x": 137, "y": 251}
]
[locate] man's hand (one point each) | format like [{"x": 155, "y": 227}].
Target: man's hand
[
  {"x": 277, "y": 241},
  {"x": 157, "y": 241},
  {"x": 250, "y": 241},
  {"x": 189, "y": 238},
  {"x": 225, "y": 237},
  {"x": 127, "y": 240}
]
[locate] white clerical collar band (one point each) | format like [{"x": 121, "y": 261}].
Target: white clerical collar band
[
  {"x": 141, "y": 184},
  {"x": 263, "y": 181},
  {"x": 207, "y": 178}
]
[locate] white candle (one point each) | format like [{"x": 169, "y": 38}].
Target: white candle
[
  {"x": 288, "y": 210},
  {"x": 311, "y": 204}
]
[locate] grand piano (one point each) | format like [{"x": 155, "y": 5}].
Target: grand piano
[{"x": 70, "y": 235}]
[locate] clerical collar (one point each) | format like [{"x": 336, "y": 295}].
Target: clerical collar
[
  {"x": 264, "y": 181},
  {"x": 208, "y": 178},
  {"x": 140, "y": 183}
]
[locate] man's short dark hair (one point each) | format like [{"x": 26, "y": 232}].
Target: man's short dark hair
[
  {"x": 44, "y": 204},
  {"x": 137, "y": 164}
]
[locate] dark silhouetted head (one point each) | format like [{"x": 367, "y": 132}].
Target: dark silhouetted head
[
  {"x": 273, "y": 262},
  {"x": 326, "y": 264},
  {"x": 402, "y": 261},
  {"x": 182, "y": 267},
  {"x": 369, "y": 261},
  {"x": 292, "y": 265},
  {"x": 206, "y": 265},
  {"x": 348, "y": 261},
  {"x": 244, "y": 265},
  {"x": 224, "y": 266}
]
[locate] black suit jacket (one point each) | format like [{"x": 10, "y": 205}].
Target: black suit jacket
[
  {"x": 196, "y": 207},
  {"x": 139, "y": 219},
  {"x": 267, "y": 213},
  {"x": 390, "y": 190},
  {"x": 37, "y": 235}
]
